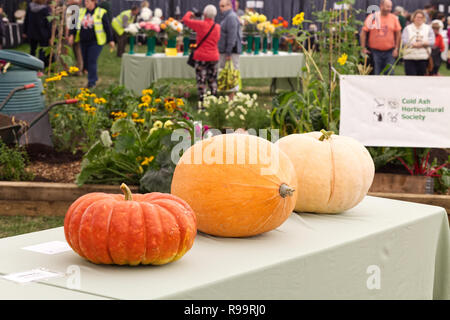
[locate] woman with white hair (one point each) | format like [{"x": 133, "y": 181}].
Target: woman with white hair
[
  {"x": 206, "y": 54},
  {"x": 400, "y": 13},
  {"x": 418, "y": 38}
]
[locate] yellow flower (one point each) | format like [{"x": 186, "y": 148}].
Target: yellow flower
[
  {"x": 52, "y": 79},
  {"x": 143, "y": 105},
  {"x": 63, "y": 74},
  {"x": 168, "y": 124},
  {"x": 147, "y": 161},
  {"x": 180, "y": 102},
  {"x": 158, "y": 100},
  {"x": 99, "y": 100},
  {"x": 81, "y": 97},
  {"x": 93, "y": 95},
  {"x": 153, "y": 130},
  {"x": 146, "y": 92},
  {"x": 114, "y": 135},
  {"x": 151, "y": 110},
  {"x": 262, "y": 18},
  {"x": 158, "y": 124},
  {"x": 343, "y": 59},
  {"x": 138, "y": 120},
  {"x": 119, "y": 115},
  {"x": 135, "y": 115},
  {"x": 73, "y": 69},
  {"x": 146, "y": 99},
  {"x": 298, "y": 19},
  {"x": 56, "y": 115}
]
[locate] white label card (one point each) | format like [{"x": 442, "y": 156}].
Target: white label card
[
  {"x": 32, "y": 275},
  {"x": 52, "y": 247}
]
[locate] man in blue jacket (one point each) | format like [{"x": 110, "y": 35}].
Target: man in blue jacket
[{"x": 230, "y": 45}]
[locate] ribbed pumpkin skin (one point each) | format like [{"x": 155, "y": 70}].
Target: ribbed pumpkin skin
[
  {"x": 153, "y": 228},
  {"x": 333, "y": 175},
  {"x": 235, "y": 198}
]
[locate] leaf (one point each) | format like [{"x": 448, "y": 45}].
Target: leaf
[{"x": 124, "y": 142}]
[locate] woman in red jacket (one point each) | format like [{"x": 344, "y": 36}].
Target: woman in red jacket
[{"x": 206, "y": 56}]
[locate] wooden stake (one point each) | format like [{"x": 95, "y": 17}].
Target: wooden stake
[{"x": 52, "y": 38}]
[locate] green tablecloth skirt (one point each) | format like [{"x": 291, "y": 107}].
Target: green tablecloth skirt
[{"x": 138, "y": 71}]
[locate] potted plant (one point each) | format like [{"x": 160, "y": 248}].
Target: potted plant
[
  {"x": 150, "y": 29},
  {"x": 132, "y": 30},
  {"x": 173, "y": 29},
  {"x": 281, "y": 26}
]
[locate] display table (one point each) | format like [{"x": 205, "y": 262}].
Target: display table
[
  {"x": 381, "y": 249},
  {"x": 138, "y": 71}
]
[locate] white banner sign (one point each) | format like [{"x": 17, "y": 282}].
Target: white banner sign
[{"x": 396, "y": 111}]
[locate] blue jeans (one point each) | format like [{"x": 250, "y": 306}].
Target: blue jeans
[
  {"x": 381, "y": 60},
  {"x": 90, "y": 52}
]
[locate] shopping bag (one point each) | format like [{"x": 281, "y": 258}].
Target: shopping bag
[{"x": 229, "y": 78}]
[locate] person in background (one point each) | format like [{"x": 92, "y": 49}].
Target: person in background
[
  {"x": 383, "y": 31},
  {"x": 428, "y": 12},
  {"x": 37, "y": 28},
  {"x": 230, "y": 45},
  {"x": 399, "y": 12},
  {"x": 75, "y": 46},
  {"x": 93, "y": 32},
  {"x": 2, "y": 27},
  {"x": 105, "y": 4},
  {"x": 442, "y": 18},
  {"x": 418, "y": 38},
  {"x": 437, "y": 48},
  {"x": 119, "y": 24},
  {"x": 207, "y": 55},
  {"x": 145, "y": 14},
  {"x": 238, "y": 10}
]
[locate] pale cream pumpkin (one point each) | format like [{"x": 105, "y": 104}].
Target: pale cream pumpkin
[
  {"x": 238, "y": 185},
  {"x": 334, "y": 172}
]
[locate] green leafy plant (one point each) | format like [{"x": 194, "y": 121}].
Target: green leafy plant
[
  {"x": 339, "y": 53},
  {"x": 137, "y": 142},
  {"x": 76, "y": 127},
  {"x": 214, "y": 111},
  {"x": 13, "y": 161}
]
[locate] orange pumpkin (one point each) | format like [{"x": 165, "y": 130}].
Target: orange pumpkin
[
  {"x": 153, "y": 228},
  {"x": 238, "y": 185}
]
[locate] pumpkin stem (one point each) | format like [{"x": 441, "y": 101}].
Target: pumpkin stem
[
  {"x": 285, "y": 191},
  {"x": 126, "y": 191},
  {"x": 325, "y": 134}
]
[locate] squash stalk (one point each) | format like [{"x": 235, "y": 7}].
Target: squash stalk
[
  {"x": 325, "y": 135},
  {"x": 286, "y": 191},
  {"x": 126, "y": 191}
]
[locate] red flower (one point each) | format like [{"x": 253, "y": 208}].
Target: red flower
[
  {"x": 275, "y": 22},
  {"x": 280, "y": 18},
  {"x": 285, "y": 24}
]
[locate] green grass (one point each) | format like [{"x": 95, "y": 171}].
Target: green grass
[{"x": 15, "y": 225}]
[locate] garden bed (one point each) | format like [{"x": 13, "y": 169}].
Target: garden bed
[{"x": 53, "y": 189}]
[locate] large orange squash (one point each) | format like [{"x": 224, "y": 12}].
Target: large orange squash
[
  {"x": 153, "y": 228},
  {"x": 238, "y": 185},
  {"x": 334, "y": 172}
]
